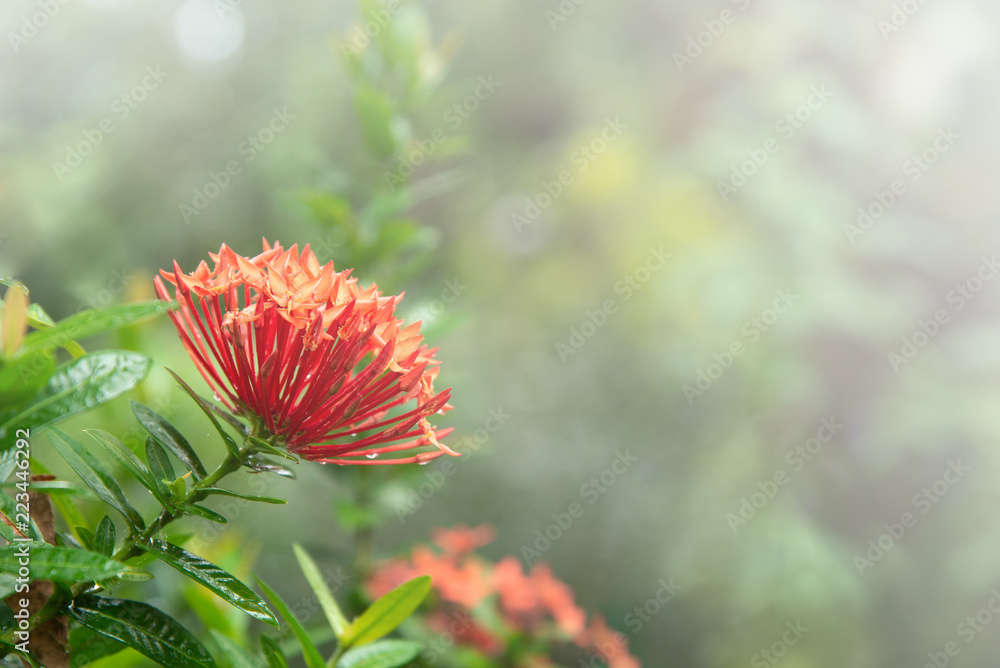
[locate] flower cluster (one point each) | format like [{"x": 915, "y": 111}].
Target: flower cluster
[
  {"x": 318, "y": 361},
  {"x": 535, "y": 604}
]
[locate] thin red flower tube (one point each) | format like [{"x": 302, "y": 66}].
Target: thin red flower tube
[{"x": 319, "y": 362}]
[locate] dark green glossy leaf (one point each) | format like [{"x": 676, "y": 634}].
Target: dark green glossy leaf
[
  {"x": 133, "y": 464},
  {"x": 9, "y": 508},
  {"x": 326, "y": 600},
  {"x": 94, "y": 475},
  {"x": 272, "y": 653},
  {"x": 203, "y": 512},
  {"x": 159, "y": 463},
  {"x": 104, "y": 537},
  {"x": 241, "y": 495},
  {"x": 225, "y": 585},
  {"x": 91, "y": 322},
  {"x": 309, "y": 652},
  {"x": 87, "y": 538},
  {"x": 144, "y": 629},
  {"x": 82, "y": 384},
  {"x": 62, "y": 564},
  {"x": 387, "y": 613},
  {"x": 383, "y": 654},
  {"x": 168, "y": 436}
]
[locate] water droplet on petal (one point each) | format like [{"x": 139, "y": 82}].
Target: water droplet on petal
[
  {"x": 216, "y": 396},
  {"x": 423, "y": 463},
  {"x": 372, "y": 455}
]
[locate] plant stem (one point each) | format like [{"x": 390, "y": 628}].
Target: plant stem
[{"x": 133, "y": 542}]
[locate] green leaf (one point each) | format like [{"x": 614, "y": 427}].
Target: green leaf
[
  {"x": 326, "y": 600},
  {"x": 143, "y": 628},
  {"x": 272, "y": 653},
  {"x": 86, "y": 537},
  {"x": 384, "y": 654},
  {"x": 387, "y": 613},
  {"x": 376, "y": 115},
  {"x": 168, "y": 436},
  {"x": 312, "y": 656},
  {"x": 159, "y": 463},
  {"x": 238, "y": 657},
  {"x": 91, "y": 322},
  {"x": 203, "y": 512},
  {"x": 62, "y": 564},
  {"x": 127, "y": 459},
  {"x": 104, "y": 537},
  {"x": 225, "y": 585},
  {"x": 94, "y": 475},
  {"x": 233, "y": 421},
  {"x": 264, "y": 465},
  {"x": 82, "y": 384},
  {"x": 231, "y": 445},
  {"x": 9, "y": 508},
  {"x": 241, "y": 495}
]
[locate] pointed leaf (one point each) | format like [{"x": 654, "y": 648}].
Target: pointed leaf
[
  {"x": 83, "y": 384},
  {"x": 387, "y": 613},
  {"x": 159, "y": 463},
  {"x": 21, "y": 378},
  {"x": 219, "y": 581},
  {"x": 104, "y": 537},
  {"x": 272, "y": 653},
  {"x": 241, "y": 495},
  {"x": 312, "y": 656},
  {"x": 62, "y": 564},
  {"x": 144, "y": 629},
  {"x": 94, "y": 475},
  {"x": 127, "y": 459},
  {"x": 91, "y": 322},
  {"x": 168, "y": 436},
  {"x": 383, "y": 654},
  {"x": 203, "y": 512},
  {"x": 326, "y": 600}
]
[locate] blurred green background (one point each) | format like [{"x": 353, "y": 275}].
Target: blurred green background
[{"x": 778, "y": 307}]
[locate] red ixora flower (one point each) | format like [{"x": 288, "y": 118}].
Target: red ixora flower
[{"x": 314, "y": 357}]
